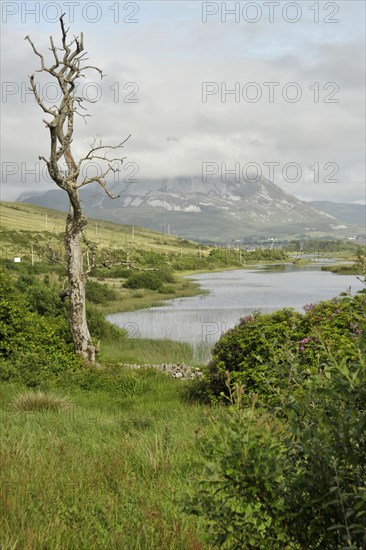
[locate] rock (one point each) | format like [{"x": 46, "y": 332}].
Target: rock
[{"x": 179, "y": 371}]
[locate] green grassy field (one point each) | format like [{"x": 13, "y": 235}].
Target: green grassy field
[
  {"x": 110, "y": 472},
  {"x": 46, "y": 224}
]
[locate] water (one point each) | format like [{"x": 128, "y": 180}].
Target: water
[{"x": 200, "y": 320}]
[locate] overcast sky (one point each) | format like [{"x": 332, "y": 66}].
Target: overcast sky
[{"x": 295, "y": 69}]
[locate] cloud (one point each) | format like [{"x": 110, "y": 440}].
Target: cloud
[{"x": 163, "y": 62}]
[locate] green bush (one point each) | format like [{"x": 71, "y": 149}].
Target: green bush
[
  {"x": 152, "y": 280},
  {"x": 34, "y": 349},
  {"x": 100, "y": 328},
  {"x": 41, "y": 297},
  {"x": 26, "y": 268},
  {"x": 99, "y": 294},
  {"x": 241, "y": 494},
  {"x": 147, "y": 279},
  {"x": 261, "y": 352},
  {"x": 294, "y": 476},
  {"x": 254, "y": 352},
  {"x": 190, "y": 263}
]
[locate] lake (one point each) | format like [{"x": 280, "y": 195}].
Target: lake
[{"x": 200, "y": 320}]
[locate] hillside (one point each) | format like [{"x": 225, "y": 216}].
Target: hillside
[
  {"x": 352, "y": 214},
  {"x": 210, "y": 210},
  {"x": 21, "y": 223}
]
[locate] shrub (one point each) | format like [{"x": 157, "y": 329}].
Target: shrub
[
  {"x": 190, "y": 263},
  {"x": 100, "y": 328},
  {"x": 241, "y": 494},
  {"x": 261, "y": 352},
  {"x": 331, "y": 328},
  {"x": 99, "y": 294},
  {"x": 254, "y": 352},
  {"x": 34, "y": 349},
  {"x": 146, "y": 279},
  {"x": 292, "y": 477},
  {"x": 45, "y": 300},
  {"x": 151, "y": 259}
]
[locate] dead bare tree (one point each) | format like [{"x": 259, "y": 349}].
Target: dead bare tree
[{"x": 68, "y": 66}]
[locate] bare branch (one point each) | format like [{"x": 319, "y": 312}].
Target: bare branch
[
  {"x": 54, "y": 51},
  {"x": 64, "y": 35},
  {"x": 95, "y": 69},
  {"x": 91, "y": 247},
  {"x": 89, "y": 156},
  {"x": 54, "y": 258},
  {"x": 38, "y": 98},
  {"x": 36, "y": 52},
  {"x": 98, "y": 179}
]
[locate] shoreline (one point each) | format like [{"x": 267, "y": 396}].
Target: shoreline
[{"x": 186, "y": 286}]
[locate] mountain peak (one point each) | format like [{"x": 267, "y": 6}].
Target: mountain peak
[{"x": 213, "y": 209}]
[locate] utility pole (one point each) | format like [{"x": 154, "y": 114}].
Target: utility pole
[{"x": 46, "y": 222}]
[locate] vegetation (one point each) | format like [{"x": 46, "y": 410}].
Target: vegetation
[
  {"x": 36, "y": 347},
  {"x": 91, "y": 457},
  {"x": 33, "y": 401},
  {"x": 110, "y": 472},
  {"x": 267, "y": 450},
  {"x": 357, "y": 267},
  {"x": 142, "y": 351},
  {"x": 286, "y": 463},
  {"x": 290, "y": 475},
  {"x": 263, "y": 351},
  {"x": 152, "y": 280}
]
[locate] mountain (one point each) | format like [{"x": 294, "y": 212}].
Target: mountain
[
  {"x": 212, "y": 210},
  {"x": 348, "y": 213}
]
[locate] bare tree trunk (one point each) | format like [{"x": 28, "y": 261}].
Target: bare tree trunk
[
  {"x": 67, "y": 68},
  {"x": 75, "y": 224}
]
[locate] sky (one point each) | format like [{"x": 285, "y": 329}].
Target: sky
[{"x": 240, "y": 89}]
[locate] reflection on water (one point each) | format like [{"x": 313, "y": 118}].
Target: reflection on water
[{"x": 200, "y": 320}]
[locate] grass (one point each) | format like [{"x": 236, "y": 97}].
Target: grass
[
  {"x": 18, "y": 220},
  {"x": 132, "y": 299},
  {"x": 148, "y": 351},
  {"x": 33, "y": 401},
  {"x": 345, "y": 269},
  {"x": 143, "y": 351},
  {"x": 112, "y": 472}
]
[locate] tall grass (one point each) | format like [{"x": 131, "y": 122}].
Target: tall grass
[
  {"x": 33, "y": 401},
  {"x": 144, "y": 351},
  {"x": 109, "y": 473}
]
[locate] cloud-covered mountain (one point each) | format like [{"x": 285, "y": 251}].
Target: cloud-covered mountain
[{"x": 212, "y": 210}]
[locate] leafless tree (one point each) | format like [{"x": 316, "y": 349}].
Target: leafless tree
[{"x": 67, "y": 67}]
